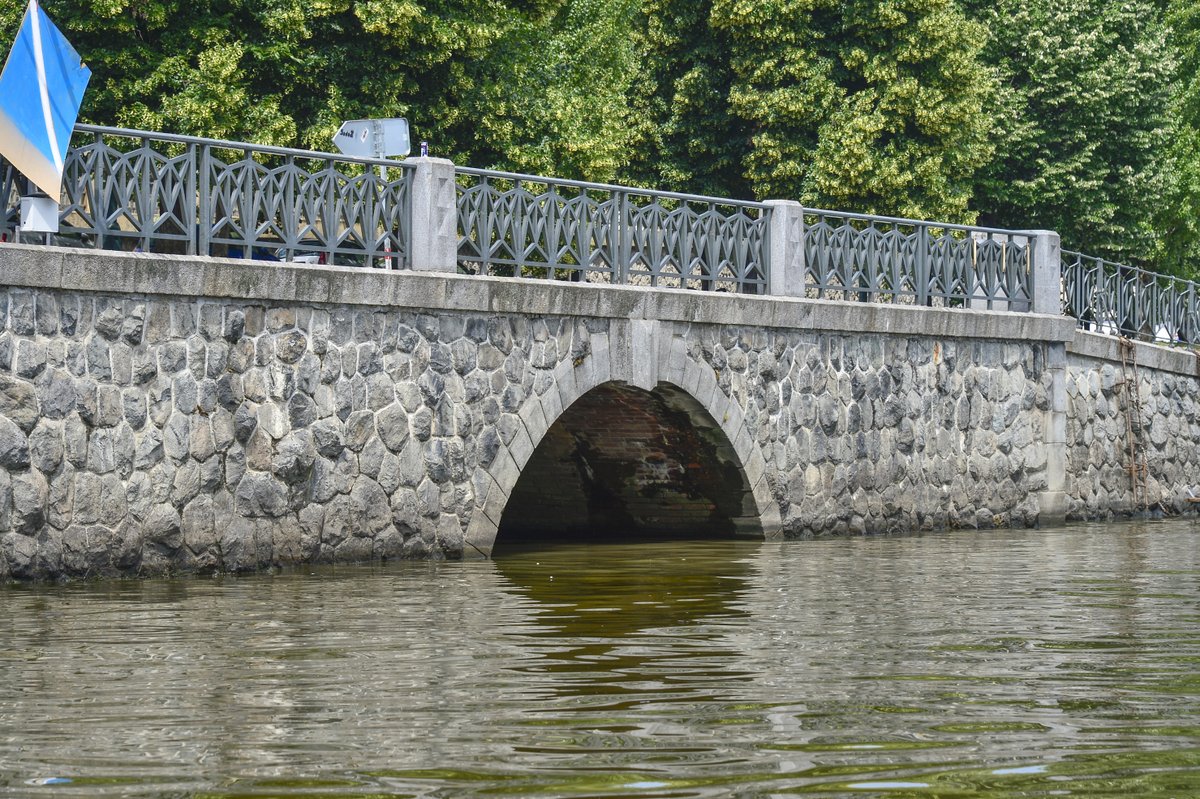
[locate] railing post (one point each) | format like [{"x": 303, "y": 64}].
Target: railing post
[
  {"x": 1189, "y": 331},
  {"x": 190, "y": 202},
  {"x": 922, "y": 280},
  {"x": 624, "y": 237},
  {"x": 370, "y": 214},
  {"x": 203, "y": 166},
  {"x": 290, "y": 219},
  {"x": 785, "y": 258},
  {"x": 434, "y": 245},
  {"x": 551, "y": 230},
  {"x": 7, "y": 176},
  {"x": 100, "y": 206},
  {"x": 483, "y": 227},
  {"x": 1045, "y": 271},
  {"x": 144, "y": 198}
]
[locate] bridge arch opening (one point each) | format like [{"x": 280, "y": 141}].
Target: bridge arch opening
[{"x": 623, "y": 464}]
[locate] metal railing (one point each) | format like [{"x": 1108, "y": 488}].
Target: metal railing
[
  {"x": 136, "y": 190},
  {"x": 523, "y": 225},
  {"x": 1123, "y": 300},
  {"x": 154, "y": 192},
  {"x": 905, "y": 261}
]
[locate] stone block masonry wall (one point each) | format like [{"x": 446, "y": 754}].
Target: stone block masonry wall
[
  {"x": 154, "y": 419},
  {"x": 874, "y": 433},
  {"x": 1103, "y": 420},
  {"x": 141, "y": 435}
]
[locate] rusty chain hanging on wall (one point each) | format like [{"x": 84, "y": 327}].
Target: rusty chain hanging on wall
[{"x": 1134, "y": 425}]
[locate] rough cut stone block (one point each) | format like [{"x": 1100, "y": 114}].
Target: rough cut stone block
[{"x": 14, "y": 446}]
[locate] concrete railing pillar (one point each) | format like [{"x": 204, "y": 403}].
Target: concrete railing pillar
[
  {"x": 785, "y": 260},
  {"x": 1052, "y": 503},
  {"x": 1047, "y": 299},
  {"x": 1047, "y": 271},
  {"x": 433, "y": 246}
]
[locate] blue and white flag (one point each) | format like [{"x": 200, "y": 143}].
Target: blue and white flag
[{"x": 40, "y": 91}]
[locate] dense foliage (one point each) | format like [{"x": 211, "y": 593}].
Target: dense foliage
[
  {"x": 686, "y": 136},
  {"x": 1077, "y": 115},
  {"x": 1082, "y": 122},
  {"x": 533, "y": 85},
  {"x": 859, "y": 104},
  {"x": 1178, "y": 218}
]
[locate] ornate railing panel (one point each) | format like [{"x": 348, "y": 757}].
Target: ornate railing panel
[
  {"x": 1124, "y": 300},
  {"x": 136, "y": 190},
  {"x": 883, "y": 259},
  {"x": 152, "y": 192},
  {"x": 522, "y": 225}
]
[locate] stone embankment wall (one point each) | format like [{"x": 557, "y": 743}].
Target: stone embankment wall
[
  {"x": 862, "y": 433},
  {"x": 153, "y": 419},
  {"x": 877, "y": 433},
  {"x": 1129, "y": 453}
]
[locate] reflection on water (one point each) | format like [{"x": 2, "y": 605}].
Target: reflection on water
[
  {"x": 993, "y": 664},
  {"x": 621, "y": 621},
  {"x": 618, "y": 591}
]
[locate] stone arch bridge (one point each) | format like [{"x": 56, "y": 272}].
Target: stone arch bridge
[{"x": 173, "y": 413}]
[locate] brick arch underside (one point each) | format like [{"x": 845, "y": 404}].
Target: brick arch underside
[{"x": 623, "y": 463}]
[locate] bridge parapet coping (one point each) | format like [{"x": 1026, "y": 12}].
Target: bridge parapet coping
[
  {"x": 217, "y": 278},
  {"x": 1154, "y": 356}
]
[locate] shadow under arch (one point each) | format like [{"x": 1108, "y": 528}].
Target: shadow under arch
[{"x": 623, "y": 463}]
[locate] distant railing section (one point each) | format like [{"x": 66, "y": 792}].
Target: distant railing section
[
  {"x": 904, "y": 261},
  {"x": 526, "y": 226},
  {"x": 152, "y": 192},
  {"x": 1123, "y": 300}
]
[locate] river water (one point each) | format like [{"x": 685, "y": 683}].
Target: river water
[{"x": 1031, "y": 663}]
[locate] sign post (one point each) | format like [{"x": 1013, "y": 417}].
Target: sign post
[{"x": 374, "y": 138}]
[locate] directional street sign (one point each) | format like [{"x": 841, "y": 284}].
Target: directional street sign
[{"x": 373, "y": 138}]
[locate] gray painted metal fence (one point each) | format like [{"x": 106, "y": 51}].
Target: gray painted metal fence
[
  {"x": 153, "y": 192},
  {"x": 512, "y": 224},
  {"x": 1124, "y": 300},
  {"x": 137, "y": 190},
  {"x": 906, "y": 261}
]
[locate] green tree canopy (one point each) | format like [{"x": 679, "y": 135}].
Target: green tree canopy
[
  {"x": 1082, "y": 122},
  {"x": 687, "y": 136},
  {"x": 1081, "y": 116},
  {"x": 553, "y": 97},
  {"x": 1178, "y": 219},
  {"x": 866, "y": 105},
  {"x": 506, "y": 83}
]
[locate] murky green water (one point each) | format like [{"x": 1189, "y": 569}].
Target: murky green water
[{"x": 995, "y": 664}]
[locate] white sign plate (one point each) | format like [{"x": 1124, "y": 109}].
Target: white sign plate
[
  {"x": 39, "y": 215},
  {"x": 373, "y": 138}
]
